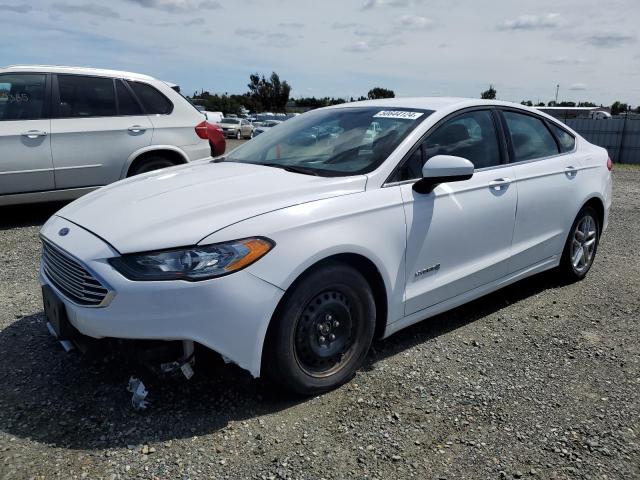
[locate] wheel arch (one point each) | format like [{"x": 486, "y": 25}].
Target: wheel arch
[
  {"x": 359, "y": 262},
  {"x": 173, "y": 153},
  {"x": 597, "y": 204}
]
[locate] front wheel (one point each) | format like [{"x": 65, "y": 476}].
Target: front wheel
[
  {"x": 322, "y": 331},
  {"x": 581, "y": 246}
]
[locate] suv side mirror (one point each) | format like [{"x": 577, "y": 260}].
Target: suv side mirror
[{"x": 441, "y": 169}]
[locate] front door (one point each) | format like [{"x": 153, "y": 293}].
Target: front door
[
  {"x": 25, "y": 143},
  {"x": 459, "y": 235}
]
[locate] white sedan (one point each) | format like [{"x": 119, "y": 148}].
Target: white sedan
[{"x": 291, "y": 254}]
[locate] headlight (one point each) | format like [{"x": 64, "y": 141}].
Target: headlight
[{"x": 192, "y": 263}]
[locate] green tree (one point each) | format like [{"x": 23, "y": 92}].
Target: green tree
[
  {"x": 527, "y": 103},
  {"x": 618, "y": 107},
  {"x": 489, "y": 94},
  {"x": 540, "y": 104},
  {"x": 587, "y": 104},
  {"x": 379, "y": 92},
  {"x": 268, "y": 94}
]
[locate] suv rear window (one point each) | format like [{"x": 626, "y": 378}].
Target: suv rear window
[
  {"x": 22, "y": 96},
  {"x": 83, "y": 97},
  {"x": 154, "y": 102},
  {"x": 127, "y": 104}
]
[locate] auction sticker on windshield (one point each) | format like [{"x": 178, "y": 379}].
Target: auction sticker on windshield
[{"x": 398, "y": 114}]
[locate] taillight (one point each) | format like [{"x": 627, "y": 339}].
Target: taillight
[
  {"x": 201, "y": 130},
  {"x": 609, "y": 164}
]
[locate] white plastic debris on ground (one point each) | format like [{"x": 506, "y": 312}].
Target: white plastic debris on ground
[{"x": 138, "y": 399}]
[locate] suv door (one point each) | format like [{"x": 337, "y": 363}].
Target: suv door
[
  {"x": 459, "y": 235},
  {"x": 547, "y": 172},
  {"x": 25, "y": 144},
  {"x": 98, "y": 124}
]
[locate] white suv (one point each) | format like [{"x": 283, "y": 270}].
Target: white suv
[{"x": 65, "y": 131}]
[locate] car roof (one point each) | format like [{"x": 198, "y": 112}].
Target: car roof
[
  {"x": 428, "y": 103},
  {"x": 76, "y": 70}
]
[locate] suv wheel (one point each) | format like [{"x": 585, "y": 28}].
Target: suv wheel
[
  {"x": 150, "y": 163},
  {"x": 239, "y": 135},
  {"x": 322, "y": 331}
]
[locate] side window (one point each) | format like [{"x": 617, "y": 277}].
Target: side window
[
  {"x": 530, "y": 137},
  {"x": 86, "y": 97},
  {"x": 154, "y": 102},
  {"x": 567, "y": 142},
  {"x": 470, "y": 135},
  {"x": 127, "y": 104},
  {"x": 22, "y": 96}
]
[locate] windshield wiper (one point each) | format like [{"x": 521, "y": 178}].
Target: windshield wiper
[{"x": 292, "y": 168}]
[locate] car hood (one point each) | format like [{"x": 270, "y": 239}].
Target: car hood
[{"x": 180, "y": 206}]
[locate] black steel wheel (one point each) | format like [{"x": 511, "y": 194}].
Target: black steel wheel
[{"x": 322, "y": 330}]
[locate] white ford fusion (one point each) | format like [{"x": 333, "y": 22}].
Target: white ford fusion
[{"x": 288, "y": 256}]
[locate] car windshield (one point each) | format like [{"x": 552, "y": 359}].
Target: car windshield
[
  {"x": 332, "y": 142},
  {"x": 230, "y": 120}
]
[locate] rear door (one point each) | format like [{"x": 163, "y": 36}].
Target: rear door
[
  {"x": 98, "y": 124},
  {"x": 547, "y": 172},
  {"x": 25, "y": 143},
  {"x": 459, "y": 235}
]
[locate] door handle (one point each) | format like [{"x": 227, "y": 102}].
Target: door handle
[
  {"x": 571, "y": 171},
  {"x": 499, "y": 184},
  {"x": 35, "y": 134},
  {"x": 136, "y": 129}
]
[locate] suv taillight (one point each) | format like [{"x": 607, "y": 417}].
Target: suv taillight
[
  {"x": 609, "y": 164},
  {"x": 201, "y": 130}
]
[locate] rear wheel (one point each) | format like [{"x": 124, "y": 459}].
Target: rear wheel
[
  {"x": 322, "y": 332},
  {"x": 582, "y": 244},
  {"x": 148, "y": 164},
  {"x": 238, "y": 135}
]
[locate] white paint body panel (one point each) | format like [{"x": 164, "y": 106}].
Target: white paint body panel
[{"x": 483, "y": 237}]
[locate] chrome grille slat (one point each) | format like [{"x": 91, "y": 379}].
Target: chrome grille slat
[
  {"x": 71, "y": 278},
  {"x": 60, "y": 256}
]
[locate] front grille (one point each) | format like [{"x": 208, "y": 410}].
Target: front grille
[{"x": 71, "y": 278}]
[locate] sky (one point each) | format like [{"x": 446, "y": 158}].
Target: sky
[{"x": 343, "y": 48}]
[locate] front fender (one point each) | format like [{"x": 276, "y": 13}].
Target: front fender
[{"x": 369, "y": 223}]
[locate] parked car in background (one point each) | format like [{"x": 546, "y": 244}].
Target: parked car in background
[
  {"x": 599, "y": 115},
  {"x": 65, "y": 131},
  {"x": 289, "y": 257},
  {"x": 216, "y": 139},
  {"x": 213, "y": 117},
  {"x": 264, "y": 126},
  {"x": 236, "y": 128}
]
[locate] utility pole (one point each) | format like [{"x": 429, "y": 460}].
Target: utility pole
[{"x": 557, "y": 90}]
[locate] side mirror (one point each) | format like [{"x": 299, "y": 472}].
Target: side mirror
[{"x": 441, "y": 169}]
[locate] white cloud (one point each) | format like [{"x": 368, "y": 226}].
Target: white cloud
[
  {"x": 578, "y": 87},
  {"x": 609, "y": 40},
  {"x": 179, "y": 6},
  {"x": 86, "y": 8},
  {"x": 533, "y": 22},
  {"x": 358, "y": 47},
  {"x": 415, "y": 22},
  {"x": 566, "y": 60}
]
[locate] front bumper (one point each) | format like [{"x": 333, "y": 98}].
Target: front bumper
[{"x": 229, "y": 315}]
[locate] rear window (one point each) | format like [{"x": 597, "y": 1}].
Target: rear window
[
  {"x": 81, "y": 96},
  {"x": 567, "y": 142},
  {"x": 127, "y": 104},
  {"x": 154, "y": 102},
  {"x": 530, "y": 137}
]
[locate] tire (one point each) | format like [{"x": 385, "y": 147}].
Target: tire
[
  {"x": 322, "y": 331},
  {"x": 581, "y": 245},
  {"x": 150, "y": 163},
  {"x": 251, "y": 135},
  {"x": 239, "y": 135}
]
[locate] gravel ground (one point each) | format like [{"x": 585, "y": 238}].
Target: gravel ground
[{"x": 539, "y": 380}]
